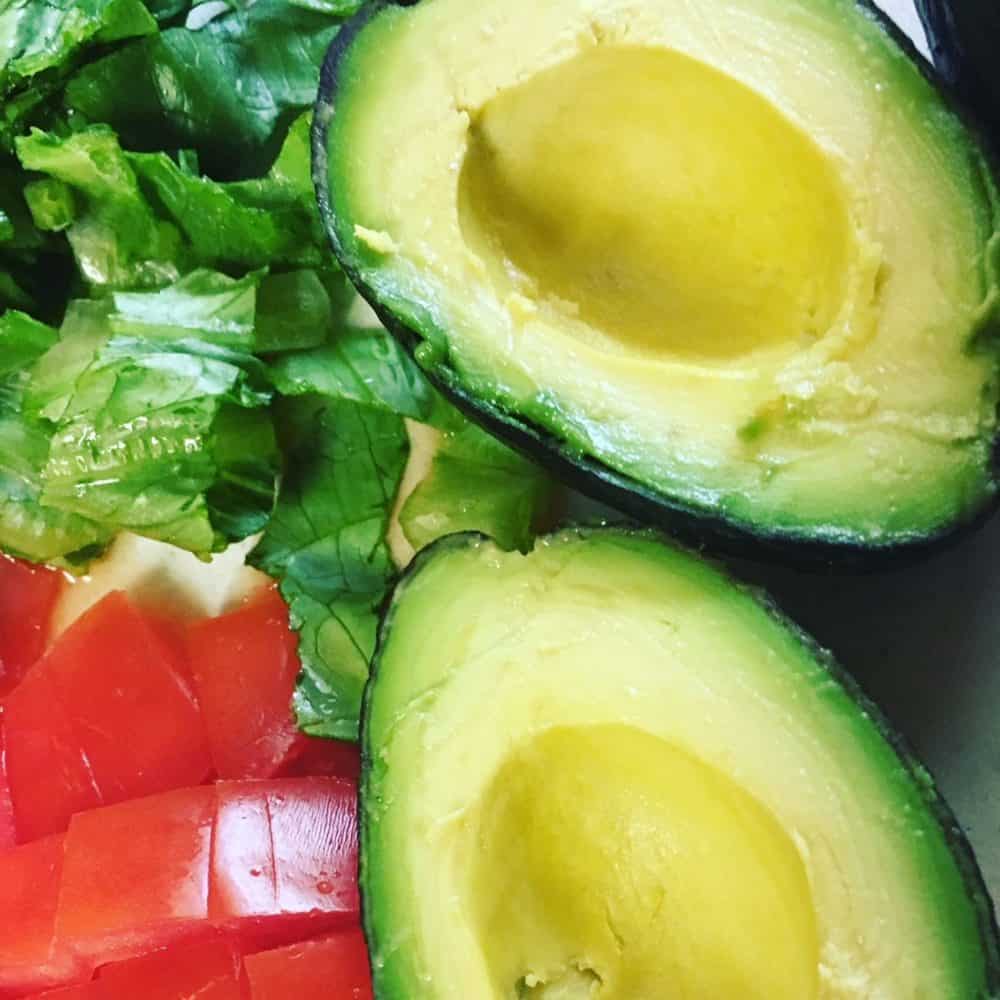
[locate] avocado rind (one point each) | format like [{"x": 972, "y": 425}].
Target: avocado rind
[
  {"x": 963, "y": 39},
  {"x": 372, "y": 791},
  {"x": 540, "y": 436}
]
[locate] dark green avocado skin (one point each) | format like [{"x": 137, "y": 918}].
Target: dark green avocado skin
[
  {"x": 369, "y": 785},
  {"x": 964, "y": 37},
  {"x": 699, "y": 527}
]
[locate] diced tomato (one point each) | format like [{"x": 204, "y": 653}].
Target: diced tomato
[
  {"x": 334, "y": 967},
  {"x": 206, "y": 970},
  {"x": 298, "y": 881},
  {"x": 27, "y": 597},
  {"x": 49, "y": 775},
  {"x": 244, "y": 666},
  {"x": 136, "y": 875},
  {"x": 325, "y": 758},
  {"x": 136, "y": 719},
  {"x": 29, "y": 888},
  {"x": 84, "y": 991},
  {"x": 8, "y": 828}
]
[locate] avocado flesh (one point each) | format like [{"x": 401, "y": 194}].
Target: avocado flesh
[
  {"x": 602, "y": 770},
  {"x": 738, "y": 253}
]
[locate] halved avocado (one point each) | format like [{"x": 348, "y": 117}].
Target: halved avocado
[
  {"x": 964, "y": 37},
  {"x": 728, "y": 264},
  {"x": 603, "y": 770}
]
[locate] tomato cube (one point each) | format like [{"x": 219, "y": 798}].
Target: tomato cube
[
  {"x": 136, "y": 875},
  {"x": 135, "y": 717},
  {"x": 206, "y": 970},
  {"x": 8, "y": 828},
  {"x": 49, "y": 775},
  {"x": 27, "y": 598},
  {"x": 325, "y": 758},
  {"x": 284, "y": 859},
  {"x": 244, "y": 666},
  {"x": 29, "y": 888},
  {"x": 334, "y": 967},
  {"x": 83, "y": 991}
]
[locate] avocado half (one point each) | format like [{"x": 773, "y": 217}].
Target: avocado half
[
  {"x": 730, "y": 265},
  {"x": 604, "y": 770},
  {"x": 964, "y": 37}
]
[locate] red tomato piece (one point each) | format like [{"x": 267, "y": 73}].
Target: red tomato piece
[
  {"x": 244, "y": 666},
  {"x": 206, "y": 970},
  {"x": 326, "y": 758},
  {"x": 8, "y": 828},
  {"x": 334, "y": 967},
  {"x": 49, "y": 775},
  {"x": 28, "y": 595},
  {"x": 284, "y": 859},
  {"x": 135, "y": 876},
  {"x": 29, "y": 888},
  {"x": 83, "y": 991},
  {"x": 135, "y": 717}
]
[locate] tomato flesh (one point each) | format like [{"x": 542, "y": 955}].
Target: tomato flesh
[
  {"x": 29, "y": 889},
  {"x": 39, "y": 740},
  {"x": 8, "y": 828},
  {"x": 335, "y": 967},
  {"x": 284, "y": 860},
  {"x": 136, "y": 719},
  {"x": 244, "y": 666},
  {"x": 28, "y": 595},
  {"x": 325, "y": 758},
  {"x": 135, "y": 876},
  {"x": 206, "y": 970}
]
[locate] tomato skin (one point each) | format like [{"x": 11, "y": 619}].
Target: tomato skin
[
  {"x": 298, "y": 881},
  {"x": 135, "y": 876},
  {"x": 244, "y": 665},
  {"x": 207, "y": 970},
  {"x": 335, "y": 967},
  {"x": 8, "y": 827},
  {"x": 28, "y": 595},
  {"x": 29, "y": 889},
  {"x": 39, "y": 740}
]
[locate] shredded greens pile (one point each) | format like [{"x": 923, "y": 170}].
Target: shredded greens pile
[{"x": 179, "y": 351}]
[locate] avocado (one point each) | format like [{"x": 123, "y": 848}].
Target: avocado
[
  {"x": 964, "y": 37},
  {"x": 730, "y": 266},
  {"x": 603, "y": 770}
]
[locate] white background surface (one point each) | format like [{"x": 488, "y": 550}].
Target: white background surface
[{"x": 925, "y": 644}]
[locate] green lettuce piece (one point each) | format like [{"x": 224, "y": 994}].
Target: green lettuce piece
[
  {"x": 326, "y": 545},
  {"x": 26, "y": 528},
  {"x": 159, "y": 415},
  {"x": 476, "y": 483},
  {"x": 362, "y": 365},
  {"x": 142, "y": 220},
  {"x": 235, "y": 83}
]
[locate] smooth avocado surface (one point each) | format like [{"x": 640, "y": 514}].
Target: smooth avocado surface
[
  {"x": 603, "y": 770},
  {"x": 735, "y": 260}
]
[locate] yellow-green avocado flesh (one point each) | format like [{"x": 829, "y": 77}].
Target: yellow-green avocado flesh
[
  {"x": 602, "y": 770},
  {"x": 740, "y": 253}
]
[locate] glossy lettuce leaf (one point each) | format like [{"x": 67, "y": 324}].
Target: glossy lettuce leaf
[
  {"x": 359, "y": 364},
  {"x": 326, "y": 545},
  {"x": 476, "y": 483},
  {"x": 159, "y": 415},
  {"x": 235, "y": 82},
  {"x": 142, "y": 220},
  {"x": 26, "y": 528}
]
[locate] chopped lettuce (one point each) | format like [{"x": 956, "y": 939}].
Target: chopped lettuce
[
  {"x": 326, "y": 544},
  {"x": 476, "y": 483},
  {"x": 159, "y": 416},
  {"x": 235, "y": 82},
  {"x": 143, "y": 220},
  {"x": 26, "y": 528}
]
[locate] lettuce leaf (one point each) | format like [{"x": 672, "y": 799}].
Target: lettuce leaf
[
  {"x": 159, "y": 417},
  {"x": 235, "y": 82},
  {"x": 476, "y": 483},
  {"x": 326, "y": 544},
  {"x": 26, "y": 528}
]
